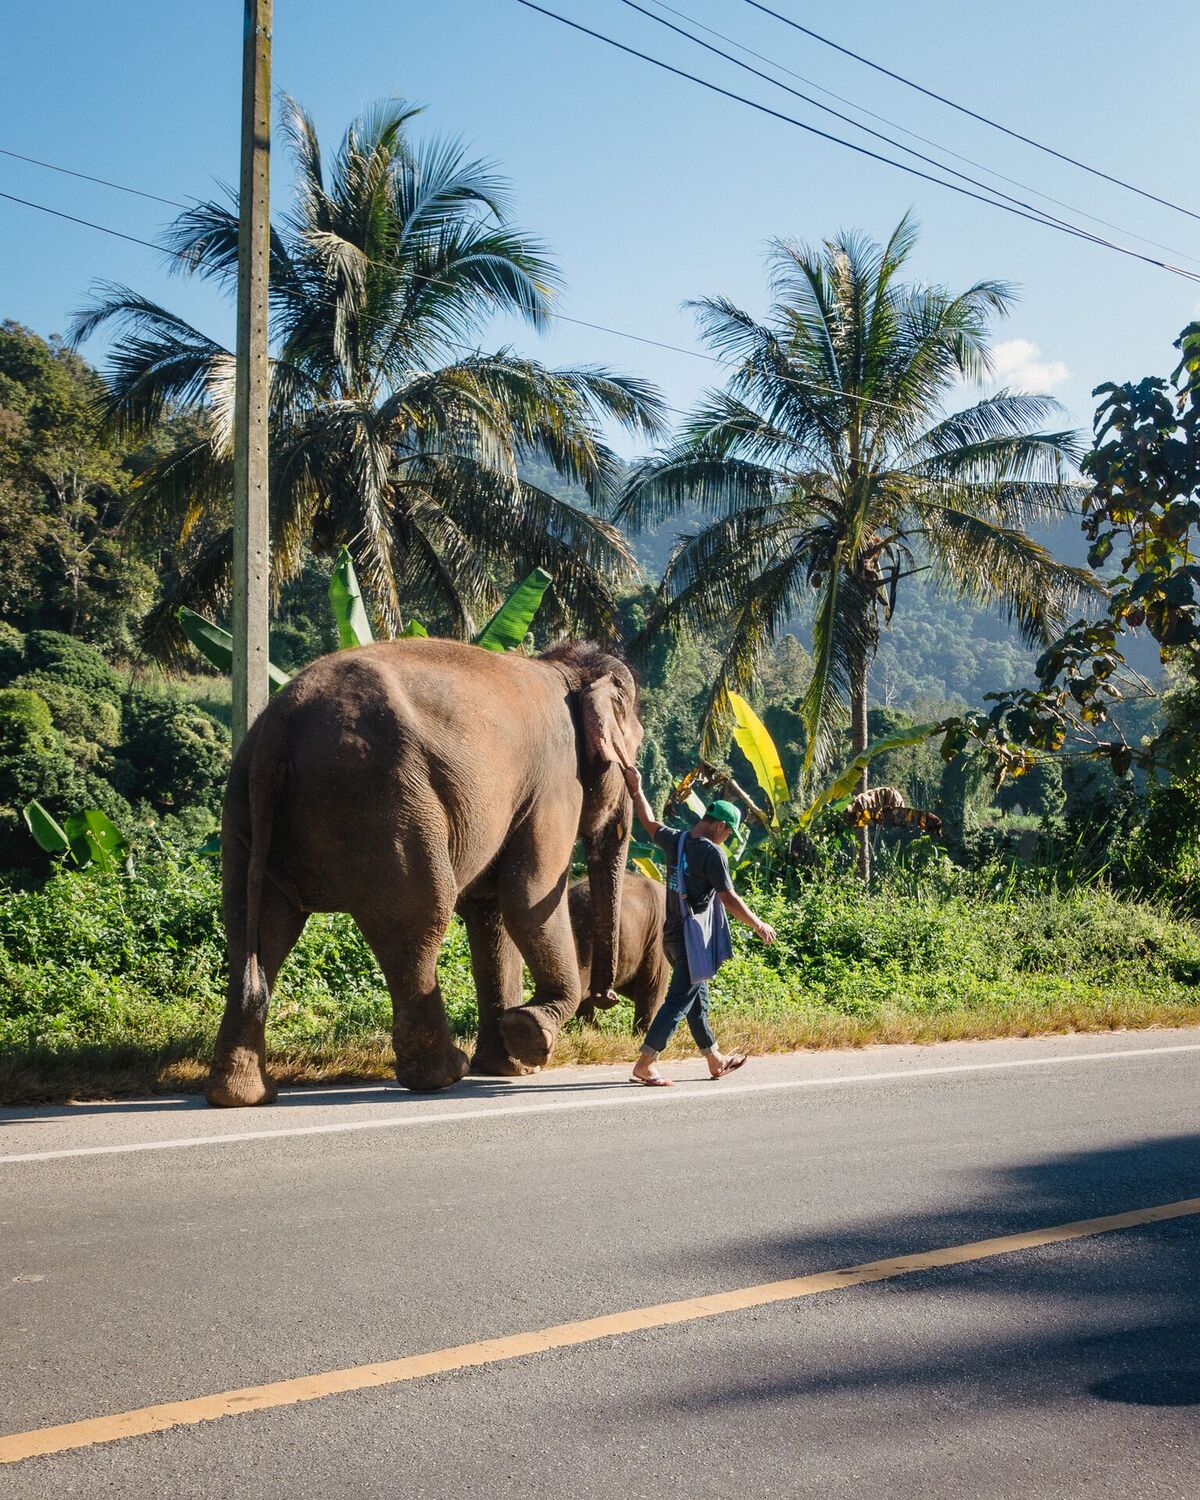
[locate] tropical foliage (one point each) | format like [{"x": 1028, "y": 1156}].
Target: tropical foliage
[
  {"x": 828, "y": 465},
  {"x": 1143, "y": 511},
  {"x": 391, "y": 432}
]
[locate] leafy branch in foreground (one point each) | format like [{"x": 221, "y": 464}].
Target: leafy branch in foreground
[{"x": 1143, "y": 510}]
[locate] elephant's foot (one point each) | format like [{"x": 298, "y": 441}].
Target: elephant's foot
[
  {"x": 432, "y": 1071},
  {"x": 493, "y": 1061},
  {"x": 525, "y": 1036},
  {"x": 239, "y": 1081}
]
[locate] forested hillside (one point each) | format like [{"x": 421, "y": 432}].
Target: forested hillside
[{"x": 938, "y": 649}]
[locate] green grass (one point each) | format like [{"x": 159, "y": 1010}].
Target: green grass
[{"x": 115, "y": 985}]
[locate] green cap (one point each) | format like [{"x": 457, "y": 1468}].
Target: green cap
[{"x": 725, "y": 812}]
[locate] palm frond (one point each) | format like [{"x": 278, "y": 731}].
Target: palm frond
[{"x": 994, "y": 564}]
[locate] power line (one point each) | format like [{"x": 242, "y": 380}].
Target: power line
[
  {"x": 621, "y": 333},
  {"x": 877, "y": 134},
  {"x": 1034, "y": 217},
  {"x": 974, "y": 115},
  {"x": 91, "y": 224},
  {"x": 924, "y": 139},
  {"x": 86, "y": 177}
]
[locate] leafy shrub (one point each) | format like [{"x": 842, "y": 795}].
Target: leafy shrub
[
  {"x": 12, "y": 651},
  {"x": 35, "y": 761},
  {"x": 1164, "y": 851},
  {"x": 25, "y": 721},
  {"x": 172, "y": 754},
  {"x": 89, "y": 724},
  {"x": 62, "y": 658}
]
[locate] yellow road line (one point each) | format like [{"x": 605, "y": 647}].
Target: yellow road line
[{"x": 45, "y": 1440}]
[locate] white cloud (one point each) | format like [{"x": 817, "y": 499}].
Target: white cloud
[{"x": 1016, "y": 363}]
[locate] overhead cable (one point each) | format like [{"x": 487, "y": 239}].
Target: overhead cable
[
  {"x": 1037, "y": 217},
  {"x": 621, "y": 333},
  {"x": 973, "y": 114},
  {"x": 917, "y": 136},
  {"x": 50, "y": 166},
  {"x": 857, "y": 125}
]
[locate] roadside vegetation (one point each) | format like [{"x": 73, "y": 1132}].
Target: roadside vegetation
[
  {"x": 116, "y": 985},
  {"x": 967, "y": 815}
]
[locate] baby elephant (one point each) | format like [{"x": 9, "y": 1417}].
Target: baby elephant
[{"x": 643, "y": 972}]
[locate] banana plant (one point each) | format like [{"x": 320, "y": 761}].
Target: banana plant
[
  {"x": 216, "y": 646},
  {"x": 754, "y": 740},
  {"x": 842, "y": 788},
  {"x": 509, "y": 626},
  {"x": 346, "y": 601},
  {"x": 505, "y": 631},
  {"x": 87, "y": 838}
]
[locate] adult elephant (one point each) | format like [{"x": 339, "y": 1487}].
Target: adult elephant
[{"x": 400, "y": 782}]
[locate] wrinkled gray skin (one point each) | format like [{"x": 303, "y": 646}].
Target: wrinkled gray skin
[
  {"x": 642, "y": 973},
  {"x": 400, "y": 782}
]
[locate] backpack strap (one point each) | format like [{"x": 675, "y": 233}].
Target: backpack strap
[{"x": 681, "y": 867}]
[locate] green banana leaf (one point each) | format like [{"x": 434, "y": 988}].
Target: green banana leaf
[
  {"x": 510, "y": 624},
  {"x": 843, "y": 785},
  {"x": 95, "y": 839},
  {"x": 49, "y": 835},
  {"x": 216, "y": 645},
  {"x": 345, "y": 598},
  {"x": 414, "y": 630},
  {"x": 647, "y": 867},
  {"x": 755, "y": 742}
]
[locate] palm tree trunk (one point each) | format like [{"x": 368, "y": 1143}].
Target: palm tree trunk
[{"x": 858, "y": 730}]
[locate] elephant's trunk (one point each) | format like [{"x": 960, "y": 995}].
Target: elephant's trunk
[{"x": 606, "y": 853}]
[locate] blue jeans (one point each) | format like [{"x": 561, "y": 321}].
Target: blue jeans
[{"x": 683, "y": 998}]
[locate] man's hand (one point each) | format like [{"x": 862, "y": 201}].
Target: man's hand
[
  {"x": 645, "y": 813},
  {"x": 765, "y": 931}
]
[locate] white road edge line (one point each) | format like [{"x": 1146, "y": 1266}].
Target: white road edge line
[{"x": 649, "y": 1098}]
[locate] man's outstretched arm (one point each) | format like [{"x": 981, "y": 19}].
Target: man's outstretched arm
[
  {"x": 738, "y": 909},
  {"x": 645, "y": 813}
]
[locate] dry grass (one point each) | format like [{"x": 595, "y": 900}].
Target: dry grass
[{"x": 124, "y": 1072}]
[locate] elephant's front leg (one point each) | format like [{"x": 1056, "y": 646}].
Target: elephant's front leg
[
  {"x": 541, "y": 929},
  {"x": 496, "y": 966}
]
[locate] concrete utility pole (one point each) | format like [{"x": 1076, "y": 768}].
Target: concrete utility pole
[{"x": 251, "y": 534}]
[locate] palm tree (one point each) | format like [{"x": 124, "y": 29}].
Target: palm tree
[
  {"x": 391, "y": 431},
  {"x": 828, "y": 464}
]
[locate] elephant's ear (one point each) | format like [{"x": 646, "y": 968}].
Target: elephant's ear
[{"x": 603, "y": 740}]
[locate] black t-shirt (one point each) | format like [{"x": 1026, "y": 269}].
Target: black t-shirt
[{"x": 707, "y": 871}]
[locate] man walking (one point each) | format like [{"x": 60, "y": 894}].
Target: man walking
[{"x": 705, "y": 875}]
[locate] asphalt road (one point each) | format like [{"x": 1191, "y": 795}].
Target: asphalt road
[{"x": 160, "y": 1251}]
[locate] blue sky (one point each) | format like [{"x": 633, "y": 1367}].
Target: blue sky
[{"x": 647, "y": 190}]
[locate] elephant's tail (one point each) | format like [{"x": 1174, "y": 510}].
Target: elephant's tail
[{"x": 268, "y": 765}]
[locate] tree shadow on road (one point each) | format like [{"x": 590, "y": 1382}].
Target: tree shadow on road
[{"x": 1111, "y": 1318}]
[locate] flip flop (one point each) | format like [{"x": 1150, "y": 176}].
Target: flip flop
[
  {"x": 652, "y": 1083},
  {"x": 730, "y": 1065}
]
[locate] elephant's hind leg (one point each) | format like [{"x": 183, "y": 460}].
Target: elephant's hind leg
[
  {"x": 405, "y": 933},
  {"x": 239, "y": 1076}
]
